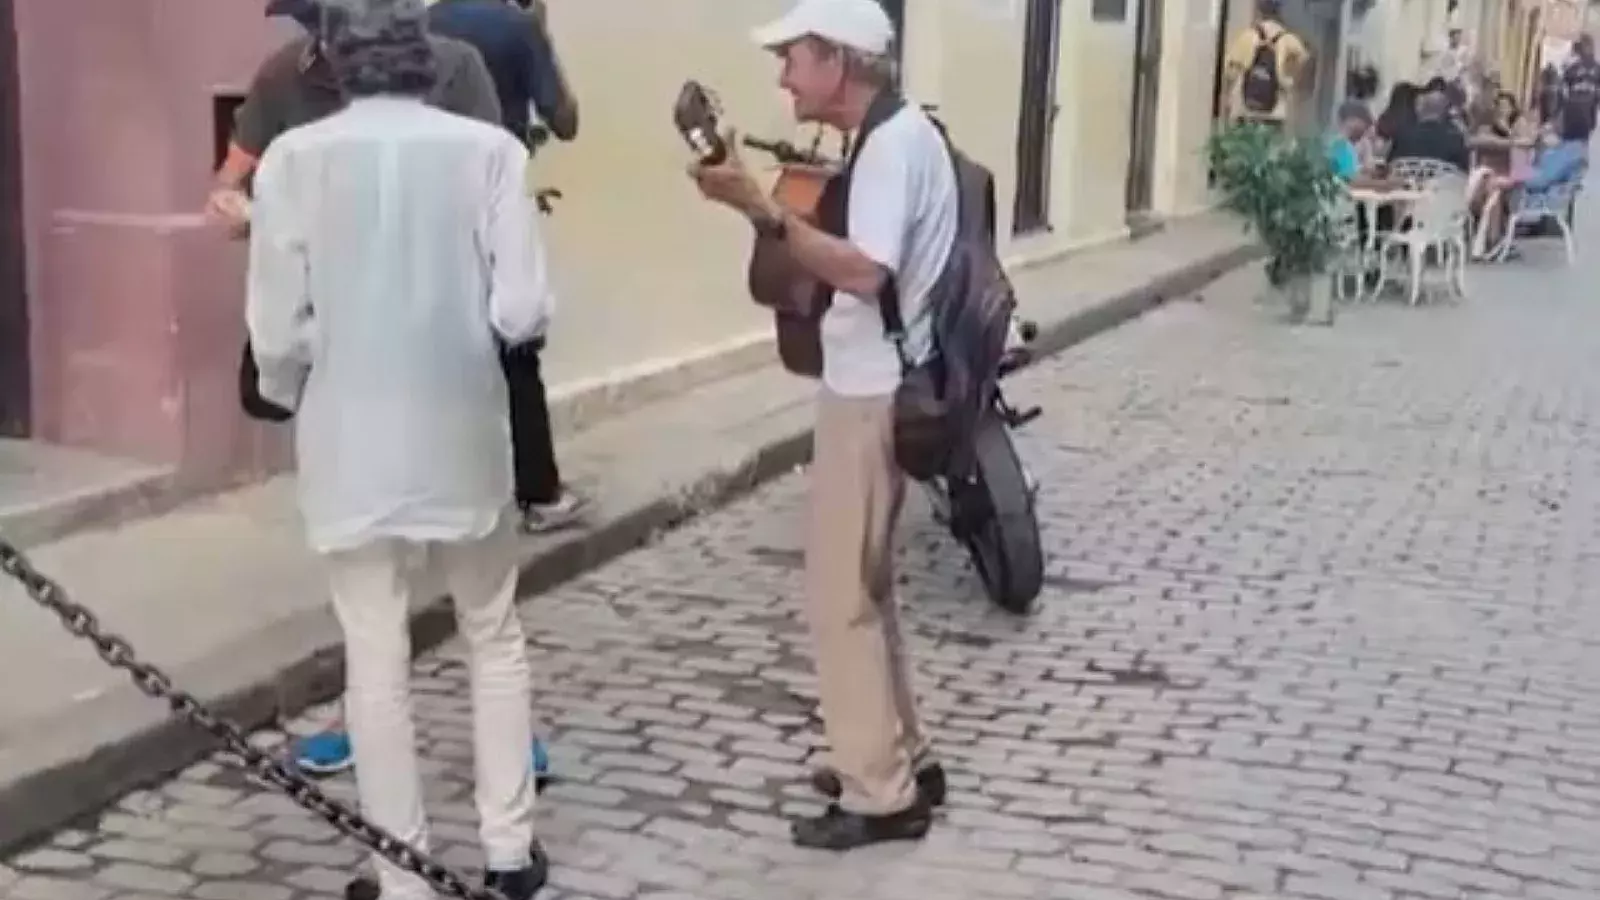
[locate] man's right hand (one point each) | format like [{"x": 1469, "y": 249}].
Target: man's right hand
[{"x": 230, "y": 207}]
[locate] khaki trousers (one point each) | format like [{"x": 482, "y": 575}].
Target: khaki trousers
[{"x": 868, "y": 705}]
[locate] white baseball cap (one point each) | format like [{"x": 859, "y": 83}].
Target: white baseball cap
[{"x": 856, "y": 24}]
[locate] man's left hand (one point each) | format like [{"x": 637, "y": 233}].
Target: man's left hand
[{"x": 729, "y": 182}]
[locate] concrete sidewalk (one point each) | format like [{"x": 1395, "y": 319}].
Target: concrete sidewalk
[{"x": 224, "y": 596}]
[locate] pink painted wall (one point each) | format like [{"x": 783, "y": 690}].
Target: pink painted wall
[{"x": 136, "y": 302}]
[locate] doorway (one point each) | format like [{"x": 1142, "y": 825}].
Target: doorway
[
  {"x": 897, "y": 14},
  {"x": 1219, "y": 92},
  {"x": 1142, "y": 127},
  {"x": 1030, "y": 211},
  {"x": 15, "y": 384},
  {"x": 1218, "y": 85}
]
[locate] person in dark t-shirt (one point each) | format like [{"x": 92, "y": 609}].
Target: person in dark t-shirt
[
  {"x": 1432, "y": 136},
  {"x": 296, "y": 86},
  {"x": 1548, "y": 97},
  {"x": 1580, "y": 85}
]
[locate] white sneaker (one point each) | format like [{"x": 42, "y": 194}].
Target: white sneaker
[{"x": 542, "y": 518}]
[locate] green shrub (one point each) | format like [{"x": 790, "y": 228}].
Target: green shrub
[{"x": 1284, "y": 188}]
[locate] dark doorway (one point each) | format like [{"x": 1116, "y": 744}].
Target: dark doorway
[
  {"x": 1218, "y": 94},
  {"x": 1142, "y": 127},
  {"x": 1036, "y": 120},
  {"x": 897, "y": 14},
  {"x": 1219, "y": 99},
  {"x": 15, "y": 384}
]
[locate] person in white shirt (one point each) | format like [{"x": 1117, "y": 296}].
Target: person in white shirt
[
  {"x": 392, "y": 245},
  {"x": 838, "y": 69},
  {"x": 1454, "y": 58}
]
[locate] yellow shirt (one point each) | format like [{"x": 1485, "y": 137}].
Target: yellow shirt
[{"x": 1292, "y": 58}]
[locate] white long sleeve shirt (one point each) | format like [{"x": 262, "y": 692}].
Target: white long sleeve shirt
[{"x": 390, "y": 244}]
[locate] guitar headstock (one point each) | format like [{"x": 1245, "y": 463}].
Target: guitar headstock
[{"x": 698, "y": 117}]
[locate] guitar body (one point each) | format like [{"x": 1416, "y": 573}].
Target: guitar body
[
  {"x": 812, "y": 192},
  {"x": 797, "y": 300}
]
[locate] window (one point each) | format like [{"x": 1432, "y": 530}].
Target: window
[{"x": 1108, "y": 10}]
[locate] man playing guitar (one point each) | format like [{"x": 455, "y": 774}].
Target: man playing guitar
[{"x": 838, "y": 68}]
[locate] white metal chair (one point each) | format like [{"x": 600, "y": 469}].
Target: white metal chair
[
  {"x": 1435, "y": 225},
  {"x": 1531, "y": 208}
]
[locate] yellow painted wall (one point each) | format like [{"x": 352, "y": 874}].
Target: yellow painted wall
[
  {"x": 977, "y": 49},
  {"x": 1094, "y": 144},
  {"x": 1188, "y": 67},
  {"x": 649, "y": 274},
  {"x": 647, "y": 271}
]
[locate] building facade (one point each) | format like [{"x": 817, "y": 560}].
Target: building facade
[
  {"x": 1512, "y": 37},
  {"x": 1088, "y": 112}
]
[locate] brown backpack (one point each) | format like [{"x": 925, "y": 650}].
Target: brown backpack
[{"x": 942, "y": 400}]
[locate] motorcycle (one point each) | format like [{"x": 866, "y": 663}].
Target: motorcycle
[{"x": 993, "y": 512}]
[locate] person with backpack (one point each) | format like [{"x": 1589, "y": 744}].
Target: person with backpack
[
  {"x": 1264, "y": 64},
  {"x": 889, "y": 243}
]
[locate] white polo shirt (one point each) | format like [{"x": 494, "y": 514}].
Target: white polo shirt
[{"x": 903, "y": 215}]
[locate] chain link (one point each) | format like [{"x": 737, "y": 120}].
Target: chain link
[{"x": 119, "y": 654}]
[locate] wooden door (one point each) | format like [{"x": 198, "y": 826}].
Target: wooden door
[
  {"x": 1146, "y": 96},
  {"x": 1037, "y": 116}
]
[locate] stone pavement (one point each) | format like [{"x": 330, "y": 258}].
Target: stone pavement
[
  {"x": 224, "y": 594},
  {"x": 1320, "y": 625}
]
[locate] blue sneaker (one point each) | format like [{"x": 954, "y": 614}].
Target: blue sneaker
[
  {"x": 325, "y": 753},
  {"x": 329, "y": 753},
  {"x": 541, "y": 760}
]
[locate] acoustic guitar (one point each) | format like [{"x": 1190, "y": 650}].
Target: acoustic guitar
[{"x": 807, "y": 184}]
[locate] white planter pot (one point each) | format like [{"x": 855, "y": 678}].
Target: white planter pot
[
  {"x": 1322, "y": 308},
  {"x": 1310, "y": 299}
]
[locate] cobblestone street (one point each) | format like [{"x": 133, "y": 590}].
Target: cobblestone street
[{"x": 1321, "y": 622}]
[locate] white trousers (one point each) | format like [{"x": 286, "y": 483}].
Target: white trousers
[{"x": 373, "y": 588}]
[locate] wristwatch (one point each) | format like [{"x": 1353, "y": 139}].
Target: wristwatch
[{"x": 774, "y": 227}]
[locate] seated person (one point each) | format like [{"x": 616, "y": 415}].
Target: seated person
[
  {"x": 1556, "y": 165},
  {"x": 1501, "y": 145},
  {"x": 1432, "y": 136},
  {"x": 1345, "y": 151},
  {"x": 1349, "y": 153},
  {"x": 1400, "y": 114},
  {"x": 1497, "y": 131}
]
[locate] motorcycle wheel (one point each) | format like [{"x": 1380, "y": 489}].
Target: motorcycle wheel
[{"x": 999, "y": 525}]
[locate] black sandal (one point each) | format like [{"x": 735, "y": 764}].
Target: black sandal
[{"x": 839, "y": 830}]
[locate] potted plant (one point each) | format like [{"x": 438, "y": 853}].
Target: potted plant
[{"x": 1286, "y": 191}]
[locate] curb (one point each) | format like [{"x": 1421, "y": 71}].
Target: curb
[{"x": 49, "y": 799}]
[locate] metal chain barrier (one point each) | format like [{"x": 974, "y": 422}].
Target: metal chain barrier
[{"x": 151, "y": 681}]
